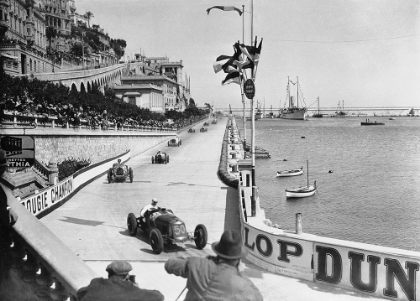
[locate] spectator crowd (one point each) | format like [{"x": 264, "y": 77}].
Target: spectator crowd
[{"x": 30, "y": 96}]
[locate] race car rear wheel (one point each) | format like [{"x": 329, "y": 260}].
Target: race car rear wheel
[
  {"x": 167, "y": 159},
  {"x": 156, "y": 241},
  {"x": 132, "y": 224},
  {"x": 200, "y": 236},
  {"x": 153, "y": 160},
  {"x": 131, "y": 174},
  {"x": 109, "y": 175},
  {"x": 168, "y": 143}
]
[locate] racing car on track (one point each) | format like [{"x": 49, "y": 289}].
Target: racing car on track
[
  {"x": 164, "y": 228},
  {"x": 206, "y": 124},
  {"x": 203, "y": 129},
  {"x": 160, "y": 157},
  {"x": 175, "y": 141},
  {"x": 191, "y": 130},
  {"x": 120, "y": 172},
  {"x": 214, "y": 121}
]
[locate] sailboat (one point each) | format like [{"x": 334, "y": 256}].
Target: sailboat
[
  {"x": 293, "y": 111},
  {"x": 302, "y": 191},
  {"x": 318, "y": 114},
  {"x": 340, "y": 111}
]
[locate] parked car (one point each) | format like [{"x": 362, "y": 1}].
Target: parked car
[
  {"x": 120, "y": 172},
  {"x": 160, "y": 157},
  {"x": 164, "y": 228},
  {"x": 191, "y": 130},
  {"x": 175, "y": 141}
]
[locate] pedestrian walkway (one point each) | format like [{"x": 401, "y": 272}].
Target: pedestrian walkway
[{"x": 93, "y": 223}]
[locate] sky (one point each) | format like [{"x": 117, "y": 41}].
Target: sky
[{"x": 365, "y": 53}]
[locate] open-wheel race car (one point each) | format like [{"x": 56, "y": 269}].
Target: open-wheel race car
[
  {"x": 214, "y": 121},
  {"x": 160, "y": 157},
  {"x": 191, "y": 130},
  {"x": 206, "y": 124},
  {"x": 175, "y": 141},
  {"x": 120, "y": 172},
  {"x": 164, "y": 228},
  {"x": 203, "y": 129}
]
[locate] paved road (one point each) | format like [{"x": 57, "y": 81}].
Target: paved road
[{"x": 93, "y": 222}]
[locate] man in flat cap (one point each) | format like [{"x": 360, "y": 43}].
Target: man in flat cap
[
  {"x": 119, "y": 286},
  {"x": 216, "y": 278}
]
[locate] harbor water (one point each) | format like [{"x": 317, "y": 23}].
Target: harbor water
[{"x": 368, "y": 177}]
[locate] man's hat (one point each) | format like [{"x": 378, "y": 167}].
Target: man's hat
[
  {"x": 154, "y": 201},
  {"x": 119, "y": 267},
  {"x": 230, "y": 246},
  {"x": 3, "y": 158}
]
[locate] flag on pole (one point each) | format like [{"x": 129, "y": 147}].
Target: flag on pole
[
  {"x": 226, "y": 62},
  {"x": 232, "y": 78},
  {"x": 220, "y": 61},
  {"x": 252, "y": 52},
  {"x": 225, "y": 8}
]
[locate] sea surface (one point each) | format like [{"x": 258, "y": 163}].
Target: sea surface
[{"x": 368, "y": 177}]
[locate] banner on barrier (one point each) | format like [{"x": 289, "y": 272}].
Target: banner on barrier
[{"x": 41, "y": 201}]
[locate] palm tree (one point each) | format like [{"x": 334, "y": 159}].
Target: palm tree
[{"x": 89, "y": 15}]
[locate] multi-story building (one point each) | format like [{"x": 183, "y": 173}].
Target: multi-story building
[
  {"x": 24, "y": 47},
  {"x": 149, "y": 76}
]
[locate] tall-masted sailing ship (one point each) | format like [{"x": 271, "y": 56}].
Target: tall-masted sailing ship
[{"x": 293, "y": 110}]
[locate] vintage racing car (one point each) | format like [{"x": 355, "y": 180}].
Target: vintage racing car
[
  {"x": 160, "y": 157},
  {"x": 206, "y": 124},
  {"x": 164, "y": 228},
  {"x": 175, "y": 141},
  {"x": 120, "y": 172},
  {"x": 214, "y": 121},
  {"x": 203, "y": 129},
  {"x": 191, "y": 130}
]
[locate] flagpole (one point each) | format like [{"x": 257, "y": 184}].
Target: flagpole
[
  {"x": 242, "y": 92},
  {"x": 254, "y": 185},
  {"x": 252, "y": 20}
]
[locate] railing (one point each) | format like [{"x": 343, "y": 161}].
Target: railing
[
  {"x": 44, "y": 268},
  {"x": 14, "y": 119},
  {"x": 41, "y": 170}
]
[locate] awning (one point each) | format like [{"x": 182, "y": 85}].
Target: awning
[
  {"x": 9, "y": 56},
  {"x": 131, "y": 94}
]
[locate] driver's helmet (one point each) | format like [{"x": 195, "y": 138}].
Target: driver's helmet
[
  {"x": 119, "y": 161},
  {"x": 154, "y": 201}
]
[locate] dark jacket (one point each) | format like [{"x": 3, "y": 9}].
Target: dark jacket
[
  {"x": 212, "y": 280},
  {"x": 116, "y": 290}
]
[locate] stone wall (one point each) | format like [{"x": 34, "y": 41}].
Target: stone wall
[{"x": 94, "y": 148}]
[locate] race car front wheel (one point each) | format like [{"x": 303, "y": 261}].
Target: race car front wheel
[
  {"x": 200, "y": 236},
  {"x": 156, "y": 241}
]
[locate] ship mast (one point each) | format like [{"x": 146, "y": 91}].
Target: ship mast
[{"x": 297, "y": 92}]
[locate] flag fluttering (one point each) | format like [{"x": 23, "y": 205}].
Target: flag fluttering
[
  {"x": 244, "y": 57},
  {"x": 232, "y": 78},
  {"x": 225, "y": 8}
]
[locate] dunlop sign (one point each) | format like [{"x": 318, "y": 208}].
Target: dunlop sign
[
  {"x": 249, "y": 89},
  {"x": 378, "y": 272}
]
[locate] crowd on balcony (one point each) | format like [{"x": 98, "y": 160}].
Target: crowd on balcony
[{"x": 48, "y": 101}]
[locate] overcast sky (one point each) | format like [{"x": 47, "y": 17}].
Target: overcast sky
[{"x": 365, "y": 52}]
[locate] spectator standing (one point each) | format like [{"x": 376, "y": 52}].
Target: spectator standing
[
  {"x": 216, "y": 278},
  {"x": 120, "y": 286}
]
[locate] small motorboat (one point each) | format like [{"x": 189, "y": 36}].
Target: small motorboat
[
  {"x": 301, "y": 192},
  {"x": 290, "y": 172},
  {"x": 391, "y": 118}
]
